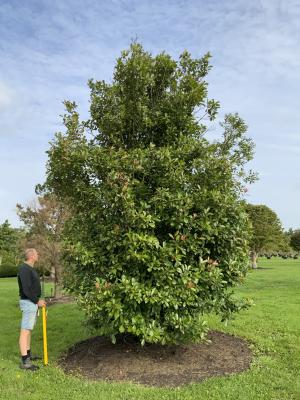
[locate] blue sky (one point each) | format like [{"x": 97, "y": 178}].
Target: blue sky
[{"x": 49, "y": 49}]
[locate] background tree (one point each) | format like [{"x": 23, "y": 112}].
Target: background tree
[
  {"x": 295, "y": 240},
  {"x": 159, "y": 232},
  {"x": 9, "y": 239},
  {"x": 267, "y": 232},
  {"x": 287, "y": 234},
  {"x": 44, "y": 221}
]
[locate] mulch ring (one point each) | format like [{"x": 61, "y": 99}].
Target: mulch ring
[
  {"x": 156, "y": 365},
  {"x": 59, "y": 300}
]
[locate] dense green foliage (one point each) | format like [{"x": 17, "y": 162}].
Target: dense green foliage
[
  {"x": 9, "y": 244},
  {"x": 272, "y": 326},
  {"x": 159, "y": 231},
  {"x": 295, "y": 240},
  {"x": 8, "y": 271}
]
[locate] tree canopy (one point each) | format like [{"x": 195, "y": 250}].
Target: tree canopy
[
  {"x": 159, "y": 230},
  {"x": 44, "y": 222},
  {"x": 295, "y": 240},
  {"x": 267, "y": 232},
  {"x": 9, "y": 239}
]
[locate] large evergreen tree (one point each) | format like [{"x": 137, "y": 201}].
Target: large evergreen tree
[{"x": 159, "y": 229}]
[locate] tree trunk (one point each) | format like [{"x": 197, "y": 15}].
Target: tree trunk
[
  {"x": 254, "y": 257},
  {"x": 57, "y": 282},
  {"x": 57, "y": 290}
]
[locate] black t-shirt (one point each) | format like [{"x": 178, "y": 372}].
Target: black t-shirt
[{"x": 29, "y": 283}]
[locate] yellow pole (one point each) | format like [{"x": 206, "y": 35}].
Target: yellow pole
[{"x": 45, "y": 335}]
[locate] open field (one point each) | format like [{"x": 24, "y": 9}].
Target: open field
[{"x": 272, "y": 325}]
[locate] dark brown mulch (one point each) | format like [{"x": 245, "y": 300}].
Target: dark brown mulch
[
  {"x": 58, "y": 300},
  {"x": 155, "y": 365}
]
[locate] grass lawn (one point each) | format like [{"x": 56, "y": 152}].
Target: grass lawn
[{"x": 272, "y": 325}]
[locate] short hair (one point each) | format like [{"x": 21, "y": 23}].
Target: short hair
[{"x": 29, "y": 253}]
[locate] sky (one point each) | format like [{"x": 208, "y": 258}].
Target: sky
[{"x": 49, "y": 50}]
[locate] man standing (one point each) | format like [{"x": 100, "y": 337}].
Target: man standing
[{"x": 30, "y": 293}]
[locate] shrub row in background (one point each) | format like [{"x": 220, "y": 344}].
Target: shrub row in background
[
  {"x": 8, "y": 271},
  {"x": 282, "y": 255}
]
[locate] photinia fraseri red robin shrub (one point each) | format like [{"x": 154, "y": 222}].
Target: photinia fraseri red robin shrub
[{"x": 159, "y": 231}]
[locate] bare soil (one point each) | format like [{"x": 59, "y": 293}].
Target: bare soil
[
  {"x": 156, "y": 365},
  {"x": 59, "y": 300}
]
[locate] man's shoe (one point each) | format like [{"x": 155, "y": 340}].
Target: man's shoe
[{"x": 27, "y": 364}]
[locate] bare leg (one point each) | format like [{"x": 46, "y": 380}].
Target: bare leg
[
  {"x": 23, "y": 341},
  {"x": 29, "y": 340}
]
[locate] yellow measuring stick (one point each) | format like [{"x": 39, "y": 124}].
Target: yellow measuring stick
[{"x": 45, "y": 335}]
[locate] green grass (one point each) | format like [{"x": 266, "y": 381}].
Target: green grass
[{"x": 272, "y": 325}]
